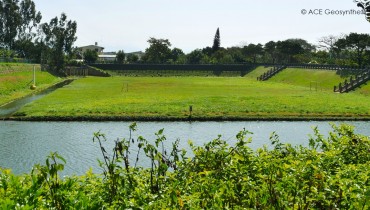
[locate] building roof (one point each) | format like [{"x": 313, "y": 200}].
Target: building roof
[
  {"x": 106, "y": 56},
  {"x": 91, "y": 46}
]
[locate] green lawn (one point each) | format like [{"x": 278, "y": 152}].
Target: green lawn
[
  {"x": 15, "y": 80},
  {"x": 257, "y": 72},
  {"x": 309, "y": 78},
  {"x": 211, "y": 97},
  {"x": 364, "y": 89}
]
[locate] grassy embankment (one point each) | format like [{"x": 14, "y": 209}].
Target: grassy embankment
[
  {"x": 15, "y": 80},
  {"x": 285, "y": 96}
]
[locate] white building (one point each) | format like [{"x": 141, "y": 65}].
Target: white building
[{"x": 95, "y": 47}]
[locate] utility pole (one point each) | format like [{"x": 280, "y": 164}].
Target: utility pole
[{"x": 33, "y": 86}]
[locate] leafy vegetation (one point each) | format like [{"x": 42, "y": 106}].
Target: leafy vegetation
[
  {"x": 211, "y": 98},
  {"x": 60, "y": 34},
  {"x": 120, "y": 56},
  {"x": 331, "y": 173},
  {"x": 22, "y": 35},
  {"x": 90, "y": 56}
]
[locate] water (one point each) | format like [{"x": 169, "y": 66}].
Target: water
[
  {"x": 23, "y": 144},
  {"x": 10, "y": 108}
]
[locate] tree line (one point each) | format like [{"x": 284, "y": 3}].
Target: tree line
[
  {"x": 23, "y": 35},
  {"x": 352, "y": 50}
]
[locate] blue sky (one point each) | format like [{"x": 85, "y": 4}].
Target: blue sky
[{"x": 191, "y": 24}]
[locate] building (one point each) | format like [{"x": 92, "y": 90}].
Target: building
[
  {"x": 139, "y": 54},
  {"x": 95, "y": 47},
  {"x": 107, "y": 57}
]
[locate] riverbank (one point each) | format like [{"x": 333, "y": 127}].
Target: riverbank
[
  {"x": 202, "y": 98},
  {"x": 185, "y": 119},
  {"x": 42, "y": 89},
  {"x": 16, "y": 79}
]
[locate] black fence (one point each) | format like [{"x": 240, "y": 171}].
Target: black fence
[
  {"x": 326, "y": 67},
  {"x": 79, "y": 71},
  {"x": 177, "y": 70},
  {"x": 182, "y": 67},
  {"x": 216, "y": 67}
]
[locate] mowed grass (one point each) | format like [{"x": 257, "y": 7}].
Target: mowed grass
[
  {"x": 211, "y": 97},
  {"x": 15, "y": 80},
  {"x": 310, "y": 78},
  {"x": 364, "y": 89},
  {"x": 257, "y": 72}
]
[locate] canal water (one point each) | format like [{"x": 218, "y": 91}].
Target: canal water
[
  {"x": 24, "y": 144},
  {"x": 10, "y": 108}
]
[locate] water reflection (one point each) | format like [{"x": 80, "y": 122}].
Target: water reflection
[{"x": 23, "y": 144}]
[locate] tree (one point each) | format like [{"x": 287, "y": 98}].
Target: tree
[
  {"x": 195, "y": 56},
  {"x": 328, "y": 42},
  {"x": 306, "y": 47},
  {"x": 176, "y": 53},
  {"x": 26, "y": 34},
  {"x": 90, "y": 56},
  {"x": 253, "y": 51},
  {"x": 158, "y": 52},
  {"x": 59, "y": 38},
  {"x": 30, "y": 19},
  {"x": 10, "y": 20},
  {"x": 236, "y": 54},
  {"x": 287, "y": 49},
  {"x": 132, "y": 58},
  {"x": 271, "y": 49},
  {"x": 339, "y": 46},
  {"x": 216, "y": 41},
  {"x": 358, "y": 43},
  {"x": 322, "y": 57},
  {"x": 120, "y": 56}
]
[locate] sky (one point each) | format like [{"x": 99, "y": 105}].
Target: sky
[{"x": 191, "y": 24}]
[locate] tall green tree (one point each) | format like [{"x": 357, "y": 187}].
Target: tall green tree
[
  {"x": 60, "y": 34},
  {"x": 287, "y": 50},
  {"x": 195, "y": 57},
  {"x": 176, "y": 53},
  {"x": 236, "y": 54},
  {"x": 90, "y": 56},
  {"x": 158, "y": 51},
  {"x": 18, "y": 23},
  {"x": 253, "y": 51},
  {"x": 10, "y": 21},
  {"x": 270, "y": 49},
  {"x": 132, "y": 58},
  {"x": 120, "y": 56},
  {"x": 24, "y": 44},
  {"x": 30, "y": 20},
  {"x": 358, "y": 43},
  {"x": 216, "y": 41}
]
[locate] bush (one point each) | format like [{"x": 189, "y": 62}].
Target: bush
[
  {"x": 331, "y": 173},
  {"x": 90, "y": 56}
]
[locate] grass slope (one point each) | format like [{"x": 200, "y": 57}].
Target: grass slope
[
  {"x": 211, "y": 97},
  {"x": 15, "y": 80},
  {"x": 364, "y": 89},
  {"x": 325, "y": 79},
  {"x": 257, "y": 72}
]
